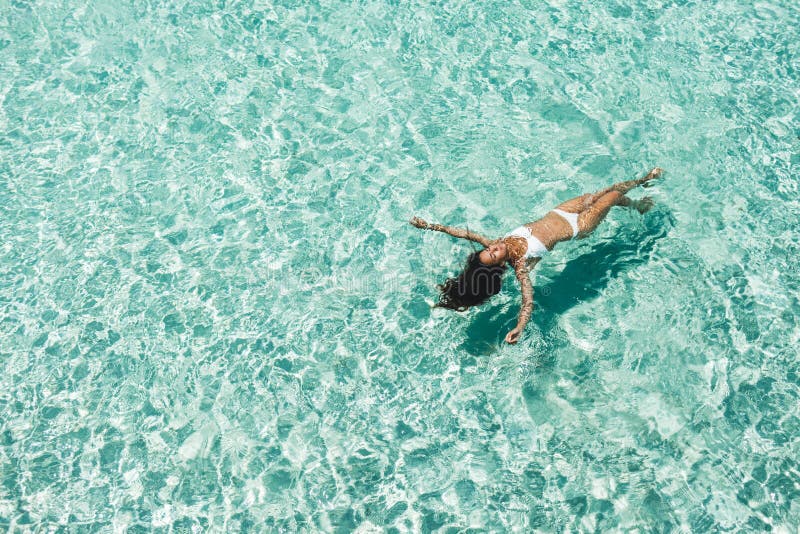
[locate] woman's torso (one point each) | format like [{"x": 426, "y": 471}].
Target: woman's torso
[{"x": 547, "y": 232}]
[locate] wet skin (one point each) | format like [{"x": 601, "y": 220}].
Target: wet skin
[{"x": 551, "y": 229}]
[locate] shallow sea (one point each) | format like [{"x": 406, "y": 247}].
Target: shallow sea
[{"x": 214, "y": 316}]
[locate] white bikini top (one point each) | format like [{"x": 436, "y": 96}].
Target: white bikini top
[{"x": 536, "y": 248}]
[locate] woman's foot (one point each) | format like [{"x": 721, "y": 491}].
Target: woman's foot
[
  {"x": 624, "y": 187},
  {"x": 652, "y": 175},
  {"x": 642, "y": 205}
]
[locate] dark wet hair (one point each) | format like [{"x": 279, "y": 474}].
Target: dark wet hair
[{"x": 473, "y": 286}]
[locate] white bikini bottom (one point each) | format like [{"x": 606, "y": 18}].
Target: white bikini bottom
[{"x": 571, "y": 218}]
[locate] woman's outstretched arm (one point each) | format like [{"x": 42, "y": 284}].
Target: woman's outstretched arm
[
  {"x": 521, "y": 270},
  {"x": 453, "y": 231}
]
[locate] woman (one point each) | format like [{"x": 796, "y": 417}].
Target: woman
[{"x": 525, "y": 246}]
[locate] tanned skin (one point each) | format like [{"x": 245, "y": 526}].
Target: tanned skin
[{"x": 551, "y": 229}]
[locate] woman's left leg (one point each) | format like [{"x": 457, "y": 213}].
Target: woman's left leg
[{"x": 585, "y": 201}]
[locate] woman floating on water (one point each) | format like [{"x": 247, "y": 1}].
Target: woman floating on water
[{"x": 525, "y": 246}]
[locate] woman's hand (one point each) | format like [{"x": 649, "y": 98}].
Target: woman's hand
[
  {"x": 513, "y": 336},
  {"x": 419, "y": 223}
]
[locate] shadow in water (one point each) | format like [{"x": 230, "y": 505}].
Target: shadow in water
[{"x": 582, "y": 279}]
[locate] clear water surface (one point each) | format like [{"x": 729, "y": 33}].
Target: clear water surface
[{"x": 213, "y": 314}]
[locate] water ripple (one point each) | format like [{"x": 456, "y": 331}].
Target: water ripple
[{"x": 215, "y": 317}]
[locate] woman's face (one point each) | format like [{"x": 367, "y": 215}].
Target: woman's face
[{"x": 495, "y": 254}]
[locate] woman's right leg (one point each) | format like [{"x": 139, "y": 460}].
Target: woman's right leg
[{"x": 592, "y": 216}]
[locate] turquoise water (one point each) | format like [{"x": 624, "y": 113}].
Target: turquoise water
[{"x": 215, "y": 317}]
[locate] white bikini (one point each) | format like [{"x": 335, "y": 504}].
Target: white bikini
[
  {"x": 571, "y": 218},
  {"x": 536, "y": 248}
]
